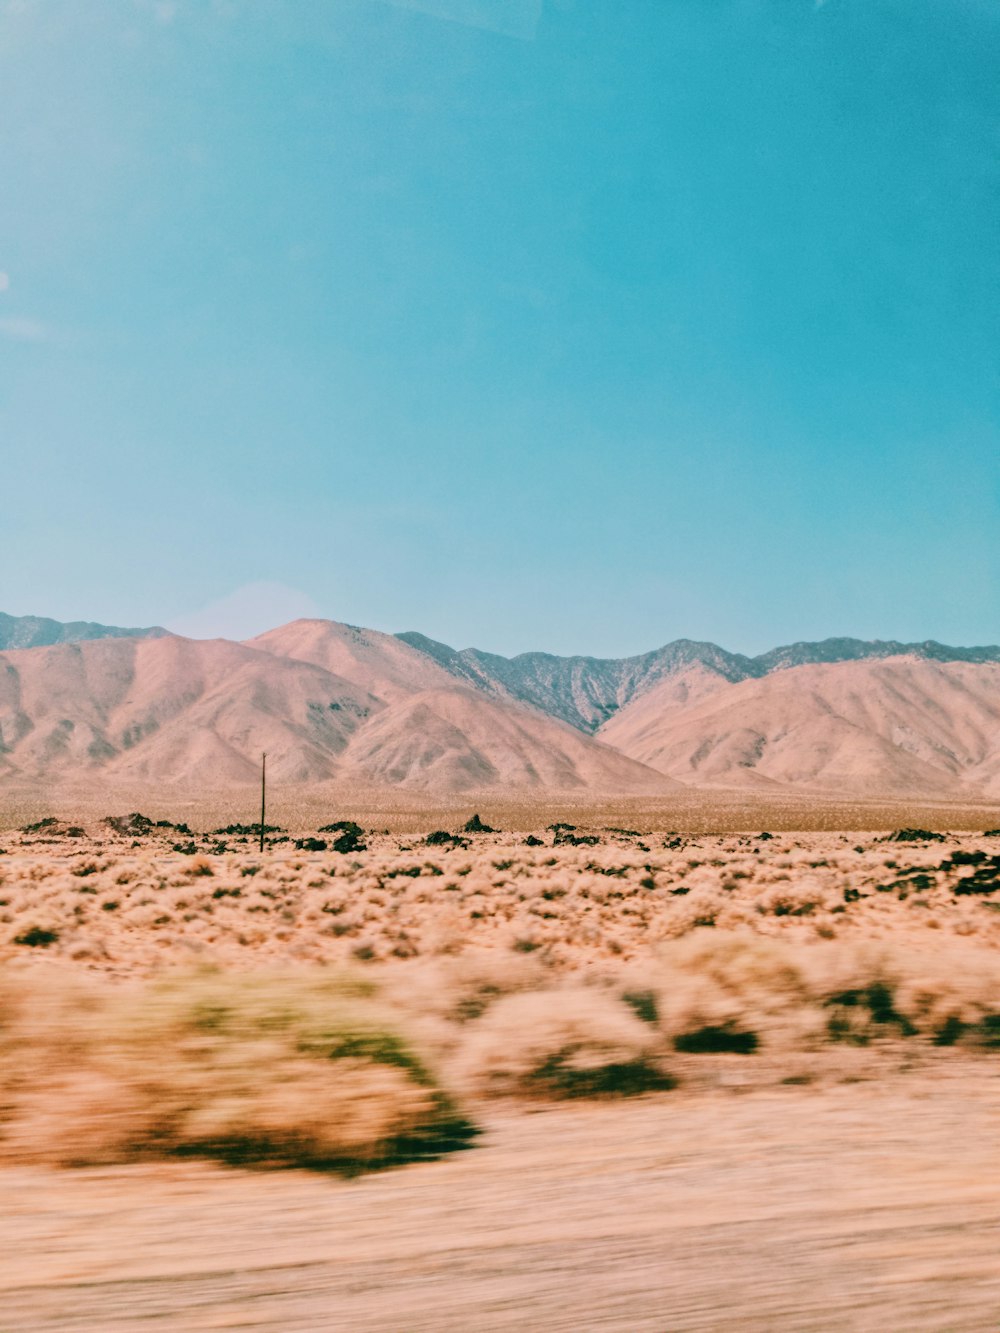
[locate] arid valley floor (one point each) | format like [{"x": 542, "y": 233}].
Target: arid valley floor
[{"x": 715, "y": 1065}]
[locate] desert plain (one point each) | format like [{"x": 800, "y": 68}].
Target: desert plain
[{"x": 433, "y": 1063}]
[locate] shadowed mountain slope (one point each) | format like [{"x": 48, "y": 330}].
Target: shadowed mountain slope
[
  {"x": 588, "y": 691},
  {"x": 583, "y": 691}
]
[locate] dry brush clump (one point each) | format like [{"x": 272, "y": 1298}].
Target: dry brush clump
[
  {"x": 719, "y": 992},
  {"x": 569, "y": 1041},
  {"x": 323, "y": 1068},
  {"x": 506, "y": 1025},
  {"x": 288, "y": 1069}
]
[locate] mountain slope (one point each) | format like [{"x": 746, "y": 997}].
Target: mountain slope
[
  {"x": 437, "y": 731},
  {"x": 171, "y": 709},
  {"x": 856, "y": 650},
  {"x": 331, "y": 701},
  {"x": 588, "y": 691},
  {"x": 454, "y": 739},
  {"x": 901, "y": 725},
  {"x": 381, "y": 663},
  {"x": 583, "y": 691},
  {"x": 176, "y": 710},
  {"x": 39, "y": 632}
]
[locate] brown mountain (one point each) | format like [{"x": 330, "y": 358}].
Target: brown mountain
[
  {"x": 200, "y": 712},
  {"x": 897, "y": 726},
  {"x": 331, "y": 701}
]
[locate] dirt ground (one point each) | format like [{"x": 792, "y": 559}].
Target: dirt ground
[
  {"x": 704, "y": 810},
  {"x": 859, "y": 1206}
]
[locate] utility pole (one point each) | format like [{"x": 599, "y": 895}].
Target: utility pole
[{"x": 263, "y": 793}]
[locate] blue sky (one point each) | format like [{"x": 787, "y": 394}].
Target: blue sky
[{"x": 567, "y": 324}]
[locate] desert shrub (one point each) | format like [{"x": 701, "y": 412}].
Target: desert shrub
[
  {"x": 476, "y": 825},
  {"x": 713, "y": 1040},
  {"x": 37, "y": 937},
  {"x": 985, "y": 878},
  {"x": 951, "y": 1000},
  {"x": 730, "y": 991},
  {"x": 134, "y": 825},
  {"x": 347, "y": 843},
  {"x": 238, "y": 830},
  {"x": 169, "y": 824},
  {"x": 861, "y": 1013},
  {"x": 283, "y": 1069},
  {"x": 442, "y": 838},
  {"x": 568, "y": 1042},
  {"x": 733, "y": 991},
  {"x": 913, "y": 835},
  {"x": 462, "y": 988},
  {"x": 798, "y": 897},
  {"x": 695, "y": 908},
  {"x": 643, "y": 1004}
]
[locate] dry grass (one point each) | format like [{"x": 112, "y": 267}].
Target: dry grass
[
  {"x": 569, "y": 1041},
  {"x": 327, "y": 986},
  {"x": 295, "y": 1069},
  {"x": 736, "y": 992},
  {"x": 129, "y": 907},
  {"x": 324, "y": 1068}
]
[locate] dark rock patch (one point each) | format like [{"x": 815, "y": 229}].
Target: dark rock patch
[
  {"x": 442, "y": 838},
  {"x": 714, "y": 1039},
  {"x": 476, "y": 825},
  {"x": 912, "y": 835}
]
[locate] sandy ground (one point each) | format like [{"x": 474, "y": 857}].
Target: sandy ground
[
  {"x": 307, "y": 806},
  {"x": 870, "y": 1205}
]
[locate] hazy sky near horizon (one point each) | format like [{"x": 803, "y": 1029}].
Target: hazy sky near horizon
[{"x": 578, "y": 325}]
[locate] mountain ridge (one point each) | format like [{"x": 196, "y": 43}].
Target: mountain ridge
[
  {"x": 588, "y": 691},
  {"x": 330, "y": 701},
  {"x": 200, "y": 712},
  {"x": 41, "y": 632}
]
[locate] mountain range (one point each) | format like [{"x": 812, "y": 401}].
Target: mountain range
[
  {"x": 333, "y": 701},
  {"x": 40, "y": 632}
]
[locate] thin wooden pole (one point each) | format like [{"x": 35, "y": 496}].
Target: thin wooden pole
[{"x": 263, "y": 793}]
